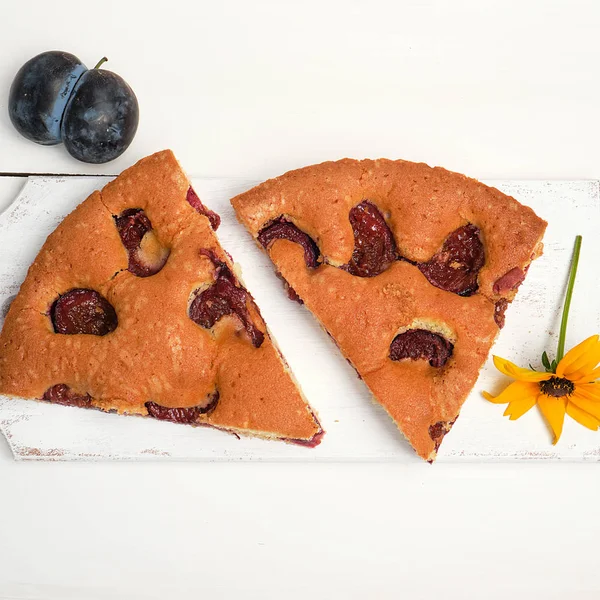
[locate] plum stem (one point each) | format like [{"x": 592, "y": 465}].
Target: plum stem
[{"x": 101, "y": 62}]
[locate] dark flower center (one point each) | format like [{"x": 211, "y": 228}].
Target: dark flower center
[{"x": 557, "y": 387}]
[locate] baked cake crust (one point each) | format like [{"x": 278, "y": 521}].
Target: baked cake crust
[
  {"x": 422, "y": 206},
  {"x": 156, "y": 353}
]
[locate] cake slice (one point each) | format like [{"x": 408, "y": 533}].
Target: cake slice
[
  {"x": 132, "y": 306},
  {"x": 410, "y": 270}
]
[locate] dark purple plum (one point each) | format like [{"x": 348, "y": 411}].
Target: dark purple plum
[
  {"x": 101, "y": 117},
  {"x": 55, "y": 98},
  {"x": 40, "y": 92}
]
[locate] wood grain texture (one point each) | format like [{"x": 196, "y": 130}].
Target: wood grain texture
[{"x": 357, "y": 428}]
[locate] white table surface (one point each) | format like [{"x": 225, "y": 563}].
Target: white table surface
[{"x": 494, "y": 89}]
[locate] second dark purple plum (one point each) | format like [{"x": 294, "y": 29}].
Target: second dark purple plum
[
  {"x": 40, "y": 92},
  {"x": 101, "y": 118}
]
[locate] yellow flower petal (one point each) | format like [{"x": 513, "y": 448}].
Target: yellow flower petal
[
  {"x": 553, "y": 410},
  {"x": 591, "y": 407},
  {"x": 585, "y": 365},
  {"x": 517, "y": 390},
  {"x": 512, "y": 370},
  {"x": 591, "y": 391},
  {"x": 595, "y": 374},
  {"x": 582, "y": 417},
  {"x": 517, "y": 408},
  {"x": 574, "y": 354}
]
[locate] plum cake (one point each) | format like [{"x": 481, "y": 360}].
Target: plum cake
[
  {"x": 132, "y": 306},
  {"x": 410, "y": 270}
]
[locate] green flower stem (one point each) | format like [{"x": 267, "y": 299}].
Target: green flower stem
[
  {"x": 565, "y": 315},
  {"x": 100, "y": 62}
]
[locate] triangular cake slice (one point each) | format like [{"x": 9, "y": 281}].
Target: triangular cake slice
[
  {"x": 408, "y": 268},
  {"x": 132, "y": 306}
]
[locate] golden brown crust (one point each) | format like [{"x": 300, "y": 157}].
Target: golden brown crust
[
  {"x": 156, "y": 353},
  {"x": 422, "y": 206}
]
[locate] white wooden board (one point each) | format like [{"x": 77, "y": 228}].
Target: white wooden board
[{"x": 356, "y": 428}]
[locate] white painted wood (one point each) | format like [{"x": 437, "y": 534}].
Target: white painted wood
[
  {"x": 253, "y": 88},
  {"x": 357, "y": 428}
]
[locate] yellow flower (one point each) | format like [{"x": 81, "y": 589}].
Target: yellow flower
[{"x": 571, "y": 388}]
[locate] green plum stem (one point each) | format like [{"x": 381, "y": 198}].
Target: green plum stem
[
  {"x": 101, "y": 62},
  {"x": 565, "y": 315}
]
